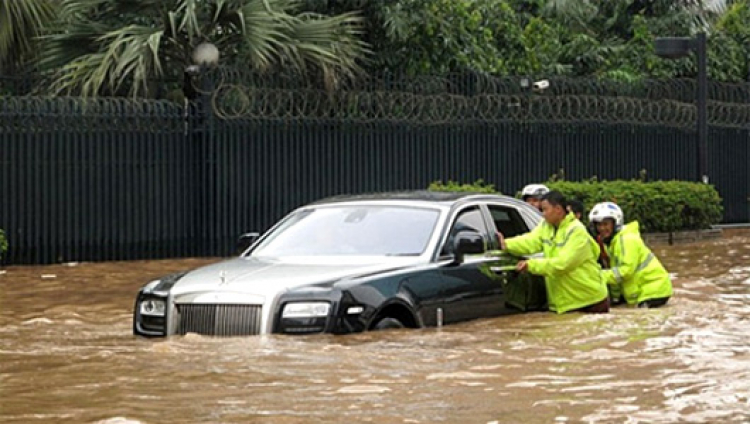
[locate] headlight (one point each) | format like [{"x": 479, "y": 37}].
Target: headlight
[
  {"x": 306, "y": 310},
  {"x": 153, "y": 307}
]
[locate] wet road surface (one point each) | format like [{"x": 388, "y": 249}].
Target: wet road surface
[{"x": 67, "y": 356}]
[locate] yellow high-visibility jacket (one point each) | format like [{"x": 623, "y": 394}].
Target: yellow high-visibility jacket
[
  {"x": 635, "y": 268},
  {"x": 572, "y": 275}
]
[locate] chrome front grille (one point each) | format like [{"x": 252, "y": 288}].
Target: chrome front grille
[{"x": 219, "y": 320}]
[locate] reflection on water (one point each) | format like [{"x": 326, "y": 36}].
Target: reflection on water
[{"x": 67, "y": 355}]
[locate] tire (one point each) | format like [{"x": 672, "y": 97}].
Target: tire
[{"x": 388, "y": 324}]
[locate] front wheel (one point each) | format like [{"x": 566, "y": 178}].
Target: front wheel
[{"x": 388, "y": 324}]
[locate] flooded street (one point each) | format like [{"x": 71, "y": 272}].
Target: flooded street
[{"x": 67, "y": 355}]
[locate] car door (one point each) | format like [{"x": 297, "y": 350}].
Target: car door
[
  {"x": 473, "y": 290},
  {"x": 524, "y": 292}
]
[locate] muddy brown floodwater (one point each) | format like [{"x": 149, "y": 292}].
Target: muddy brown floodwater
[{"x": 67, "y": 356}]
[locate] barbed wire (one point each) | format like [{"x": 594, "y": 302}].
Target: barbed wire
[
  {"x": 454, "y": 98},
  {"x": 466, "y": 83},
  {"x": 232, "y": 101},
  {"x": 472, "y": 83},
  {"x": 474, "y": 97},
  {"x": 39, "y": 114}
]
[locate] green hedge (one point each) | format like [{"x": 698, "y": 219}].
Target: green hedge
[
  {"x": 478, "y": 186},
  {"x": 3, "y": 243},
  {"x": 659, "y": 206}
]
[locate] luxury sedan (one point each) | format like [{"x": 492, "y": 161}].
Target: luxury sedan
[{"x": 356, "y": 263}]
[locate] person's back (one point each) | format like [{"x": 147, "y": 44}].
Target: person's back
[{"x": 644, "y": 280}]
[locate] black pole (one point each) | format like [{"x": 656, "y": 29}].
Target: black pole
[{"x": 700, "y": 50}]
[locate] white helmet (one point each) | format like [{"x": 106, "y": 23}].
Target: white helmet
[
  {"x": 604, "y": 210},
  {"x": 534, "y": 190}
]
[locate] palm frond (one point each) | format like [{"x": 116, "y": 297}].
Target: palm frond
[
  {"x": 333, "y": 43},
  {"x": 130, "y": 58},
  {"x": 273, "y": 37},
  {"x": 75, "y": 10},
  {"x": 60, "y": 48},
  {"x": 226, "y": 15},
  {"x": 116, "y": 46},
  {"x": 20, "y": 23},
  {"x": 190, "y": 22},
  {"x": 266, "y": 37}
]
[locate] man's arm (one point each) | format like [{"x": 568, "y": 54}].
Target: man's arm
[
  {"x": 628, "y": 257},
  {"x": 525, "y": 244},
  {"x": 577, "y": 248}
]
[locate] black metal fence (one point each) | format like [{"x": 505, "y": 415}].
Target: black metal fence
[{"x": 115, "y": 179}]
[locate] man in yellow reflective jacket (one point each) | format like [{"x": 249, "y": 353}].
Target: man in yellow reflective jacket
[
  {"x": 635, "y": 270},
  {"x": 572, "y": 275}
]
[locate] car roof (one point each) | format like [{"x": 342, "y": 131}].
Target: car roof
[{"x": 443, "y": 197}]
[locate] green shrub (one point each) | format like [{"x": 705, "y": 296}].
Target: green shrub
[
  {"x": 478, "y": 186},
  {"x": 3, "y": 243},
  {"x": 659, "y": 206}
]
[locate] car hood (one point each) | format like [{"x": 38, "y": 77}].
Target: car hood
[{"x": 263, "y": 278}]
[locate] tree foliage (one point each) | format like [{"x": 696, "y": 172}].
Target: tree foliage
[
  {"x": 21, "y": 22},
  {"x": 3, "y": 243},
  {"x": 119, "y": 47},
  {"x": 610, "y": 39},
  {"x": 122, "y": 47}
]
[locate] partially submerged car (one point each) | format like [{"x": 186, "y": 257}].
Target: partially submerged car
[{"x": 355, "y": 263}]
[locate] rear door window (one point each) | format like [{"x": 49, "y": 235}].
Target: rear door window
[{"x": 507, "y": 220}]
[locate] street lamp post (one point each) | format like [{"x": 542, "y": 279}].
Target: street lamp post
[
  {"x": 198, "y": 86},
  {"x": 675, "y": 48}
]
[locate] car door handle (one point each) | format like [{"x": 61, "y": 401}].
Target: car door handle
[{"x": 503, "y": 269}]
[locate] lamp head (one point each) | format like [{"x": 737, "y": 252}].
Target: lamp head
[
  {"x": 673, "y": 47},
  {"x": 206, "y": 54}
]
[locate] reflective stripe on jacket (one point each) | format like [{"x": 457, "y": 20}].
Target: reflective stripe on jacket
[
  {"x": 572, "y": 274},
  {"x": 635, "y": 268}
]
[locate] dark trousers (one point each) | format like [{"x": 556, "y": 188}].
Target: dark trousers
[
  {"x": 597, "y": 308},
  {"x": 654, "y": 303}
]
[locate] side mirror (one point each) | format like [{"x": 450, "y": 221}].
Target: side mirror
[
  {"x": 467, "y": 243},
  {"x": 246, "y": 240}
]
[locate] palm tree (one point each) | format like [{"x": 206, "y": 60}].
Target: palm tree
[
  {"x": 115, "y": 47},
  {"x": 21, "y": 21}
]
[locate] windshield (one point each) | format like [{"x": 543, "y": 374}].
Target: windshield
[{"x": 352, "y": 230}]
